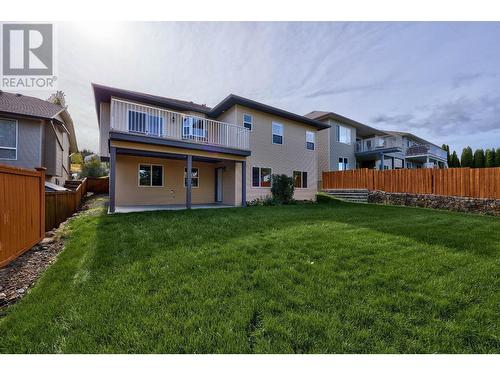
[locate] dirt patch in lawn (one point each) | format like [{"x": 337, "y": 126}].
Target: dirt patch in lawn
[{"x": 20, "y": 275}]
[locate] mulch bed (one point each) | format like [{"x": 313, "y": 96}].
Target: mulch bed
[{"x": 21, "y": 274}]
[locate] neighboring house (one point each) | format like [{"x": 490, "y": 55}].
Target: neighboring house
[
  {"x": 348, "y": 144},
  {"x": 36, "y": 133},
  {"x": 231, "y": 150}
]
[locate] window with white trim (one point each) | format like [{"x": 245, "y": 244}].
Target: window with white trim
[
  {"x": 342, "y": 134},
  {"x": 8, "y": 139},
  {"x": 261, "y": 177},
  {"x": 195, "y": 176},
  {"x": 300, "y": 179},
  {"x": 343, "y": 164},
  {"x": 310, "y": 141},
  {"x": 150, "y": 175},
  {"x": 145, "y": 123},
  {"x": 247, "y": 121},
  {"x": 277, "y": 133}
]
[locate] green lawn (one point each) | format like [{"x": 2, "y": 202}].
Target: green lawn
[{"x": 311, "y": 278}]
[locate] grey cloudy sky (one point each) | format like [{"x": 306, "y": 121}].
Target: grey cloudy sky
[{"x": 438, "y": 80}]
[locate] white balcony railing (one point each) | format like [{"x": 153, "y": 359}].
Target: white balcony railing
[
  {"x": 378, "y": 143},
  {"x": 155, "y": 122}
]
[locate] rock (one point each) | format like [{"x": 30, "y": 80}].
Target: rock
[
  {"x": 47, "y": 240},
  {"x": 3, "y": 296},
  {"x": 20, "y": 291},
  {"x": 461, "y": 204}
]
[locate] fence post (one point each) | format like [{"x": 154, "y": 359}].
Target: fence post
[{"x": 42, "y": 200}]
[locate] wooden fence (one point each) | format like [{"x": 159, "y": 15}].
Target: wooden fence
[
  {"x": 98, "y": 185},
  {"x": 22, "y": 199},
  {"x": 59, "y": 205},
  {"x": 461, "y": 182}
]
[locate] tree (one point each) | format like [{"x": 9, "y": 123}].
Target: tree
[
  {"x": 478, "y": 158},
  {"x": 76, "y": 158},
  {"x": 467, "y": 160},
  {"x": 489, "y": 158},
  {"x": 93, "y": 168},
  {"x": 497, "y": 157},
  {"x": 454, "y": 161},
  {"x": 282, "y": 188},
  {"x": 448, "y": 156},
  {"x": 86, "y": 152}
]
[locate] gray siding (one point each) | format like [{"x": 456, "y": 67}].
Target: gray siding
[
  {"x": 29, "y": 153},
  {"x": 338, "y": 149},
  {"x": 104, "y": 123}
]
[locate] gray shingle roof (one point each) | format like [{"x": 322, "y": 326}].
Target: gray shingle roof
[{"x": 27, "y": 105}]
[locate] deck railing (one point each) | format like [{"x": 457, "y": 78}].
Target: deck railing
[
  {"x": 378, "y": 143},
  {"x": 156, "y": 122}
]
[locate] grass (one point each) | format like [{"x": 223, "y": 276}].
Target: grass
[{"x": 314, "y": 278}]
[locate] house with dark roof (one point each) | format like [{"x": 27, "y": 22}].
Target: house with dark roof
[
  {"x": 167, "y": 153},
  {"x": 36, "y": 133},
  {"x": 349, "y": 144}
]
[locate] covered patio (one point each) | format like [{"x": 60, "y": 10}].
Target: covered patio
[
  {"x": 167, "y": 207},
  {"x": 218, "y": 180}
]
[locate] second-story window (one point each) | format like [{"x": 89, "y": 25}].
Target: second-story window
[
  {"x": 247, "y": 121},
  {"x": 277, "y": 133},
  {"x": 145, "y": 123},
  {"x": 8, "y": 139},
  {"x": 342, "y": 134},
  {"x": 310, "y": 140}
]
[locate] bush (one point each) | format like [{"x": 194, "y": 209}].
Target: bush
[
  {"x": 93, "y": 168},
  {"x": 282, "y": 188},
  {"x": 267, "y": 201}
]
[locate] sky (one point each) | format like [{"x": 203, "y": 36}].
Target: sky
[{"x": 439, "y": 81}]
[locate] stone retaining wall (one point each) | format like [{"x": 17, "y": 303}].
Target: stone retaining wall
[{"x": 443, "y": 202}]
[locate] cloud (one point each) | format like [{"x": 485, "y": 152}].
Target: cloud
[{"x": 461, "y": 116}]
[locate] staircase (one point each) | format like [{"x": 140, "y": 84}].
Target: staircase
[
  {"x": 72, "y": 184},
  {"x": 350, "y": 195}
]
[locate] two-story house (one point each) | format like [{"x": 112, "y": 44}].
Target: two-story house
[
  {"x": 36, "y": 133},
  {"x": 349, "y": 144},
  {"x": 166, "y": 153}
]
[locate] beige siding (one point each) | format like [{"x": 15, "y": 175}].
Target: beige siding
[
  {"x": 323, "y": 153},
  {"x": 128, "y": 191},
  {"x": 291, "y": 156}
]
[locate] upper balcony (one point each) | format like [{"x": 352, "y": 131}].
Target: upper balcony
[
  {"x": 156, "y": 122},
  {"x": 378, "y": 144},
  {"x": 426, "y": 150}
]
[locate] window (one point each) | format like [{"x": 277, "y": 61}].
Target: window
[
  {"x": 343, "y": 134},
  {"x": 193, "y": 127},
  {"x": 195, "y": 176},
  {"x": 343, "y": 164},
  {"x": 277, "y": 133},
  {"x": 261, "y": 177},
  {"x": 150, "y": 175},
  {"x": 247, "y": 121},
  {"x": 145, "y": 123},
  {"x": 300, "y": 179},
  {"x": 310, "y": 140},
  {"x": 8, "y": 139}
]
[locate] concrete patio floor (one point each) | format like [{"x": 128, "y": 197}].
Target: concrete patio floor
[{"x": 167, "y": 207}]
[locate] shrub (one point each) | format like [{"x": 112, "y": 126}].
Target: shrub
[
  {"x": 93, "y": 168},
  {"x": 282, "y": 188},
  {"x": 267, "y": 201}
]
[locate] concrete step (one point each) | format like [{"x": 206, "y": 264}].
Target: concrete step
[{"x": 350, "y": 195}]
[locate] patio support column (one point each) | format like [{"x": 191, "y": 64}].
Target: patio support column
[
  {"x": 381, "y": 161},
  {"x": 112, "y": 178},
  {"x": 243, "y": 183},
  {"x": 189, "y": 181}
]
